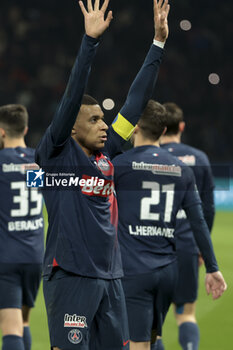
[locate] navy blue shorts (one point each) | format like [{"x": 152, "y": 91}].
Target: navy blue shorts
[
  {"x": 19, "y": 284},
  {"x": 86, "y": 313},
  {"x": 148, "y": 297},
  {"x": 187, "y": 286}
]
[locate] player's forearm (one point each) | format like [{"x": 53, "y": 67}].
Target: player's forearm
[
  {"x": 202, "y": 236},
  {"x": 140, "y": 92},
  {"x": 69, "y": 106},
  {"x": 209, "y": 214},
  {"x": 208, "y": 208}
]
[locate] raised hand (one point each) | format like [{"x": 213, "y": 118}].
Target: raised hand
[
  {"x": 215, "y": 284},
  {"x": 161, "y": 11},
  {"x": 95, "y": 24}
]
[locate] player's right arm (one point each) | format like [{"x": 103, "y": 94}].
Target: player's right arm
[{"x": 67, "y": 111}]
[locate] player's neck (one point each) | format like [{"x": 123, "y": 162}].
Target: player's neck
[
  {"x": 13, "y": 143},
  {"x": 145, "y": 142},
  {"x": 170, "y": 139}
]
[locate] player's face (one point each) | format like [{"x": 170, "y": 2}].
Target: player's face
[{"x": 90, "y": 130}]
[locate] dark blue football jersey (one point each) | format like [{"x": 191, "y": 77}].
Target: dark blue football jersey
[
  {"x": 82, "y": 232},
  {"x": 201, "y": 167},
  {"x": 21, "y": 221},
  {"x": 151, "y": 187}
]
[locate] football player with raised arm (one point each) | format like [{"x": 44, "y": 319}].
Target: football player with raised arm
[
  {"x": 186, "y": 248},
  {"x": 21, "y": 230},
  {"x": 82, "y": 267},
  {"x": 151, "y": 187}
]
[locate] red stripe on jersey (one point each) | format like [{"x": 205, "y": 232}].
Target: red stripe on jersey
[
  {"x": 107, "y": 168},
  {"x": 113, "y": 210}
]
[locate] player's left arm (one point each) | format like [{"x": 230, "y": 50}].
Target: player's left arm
[
  {"x": 207, "y": 193},
  {"x": 142, "y": 87},
  {"x": 215, "y": 283}
]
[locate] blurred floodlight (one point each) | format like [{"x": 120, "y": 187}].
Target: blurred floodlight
[
  {"x": 214, "y": 78},
  {"x": 108, "y": 104},
  {"x": 185, "y": 25}
]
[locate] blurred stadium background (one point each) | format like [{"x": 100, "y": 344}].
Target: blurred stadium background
[{"x": 38, "y": 44}]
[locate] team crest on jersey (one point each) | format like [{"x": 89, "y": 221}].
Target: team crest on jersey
[
  {"x": 155, "y": 154},
  {"x": 103, "y": 164},
  {"x": 170, "y": 149},
  {"x": 75, "y": 336}
]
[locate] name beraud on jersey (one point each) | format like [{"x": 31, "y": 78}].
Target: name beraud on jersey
[{"x": 25, "y": 225}]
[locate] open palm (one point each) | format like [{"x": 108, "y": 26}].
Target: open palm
[
  {"x": 95, "y": 24},
  {"x": 161, "y": 11}
]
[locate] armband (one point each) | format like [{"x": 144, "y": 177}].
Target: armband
[{"x": 123, "y": 127}]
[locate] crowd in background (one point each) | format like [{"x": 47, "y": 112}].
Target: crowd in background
[{"x": 39, "y": 42}]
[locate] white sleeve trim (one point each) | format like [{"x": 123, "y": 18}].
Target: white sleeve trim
[{"x": 159, "y": 43}]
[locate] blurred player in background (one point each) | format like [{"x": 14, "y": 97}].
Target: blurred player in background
[
  {"x": 21, "y": 231},
  {"x": 82, "y": 287},
  {"x": 187, "y": 250},
  {"x": 151, "y": 187}
]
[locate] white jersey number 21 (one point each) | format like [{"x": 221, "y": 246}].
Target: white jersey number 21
[{"x": 154, "y": 199}]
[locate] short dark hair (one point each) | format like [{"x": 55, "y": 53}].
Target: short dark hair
[
  {"x": 153, "y": 120},
  {"x": 13, "y": 119},
  {"x": 88, "y": 100},
  {"x": 174, "y": 117}
]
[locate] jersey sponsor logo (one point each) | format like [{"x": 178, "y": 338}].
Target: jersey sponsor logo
[
  {"x": 75, "y": 321},
  {"x": 99, "y": 189},
  {"x": 18, "y": 168},
  {"x": 75, "y": 336},
  {"x": 151, "y": 231},
  {"x": 35, "y": 178},
  {"x": 188, "y": 159},
  {"x": 25, "y": 225},
  {"x": 158, "y": 169}
]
